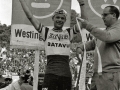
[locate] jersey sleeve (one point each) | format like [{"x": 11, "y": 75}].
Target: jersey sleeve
[{"x": 43, "y": 31}]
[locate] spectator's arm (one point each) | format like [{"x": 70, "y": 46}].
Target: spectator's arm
[
  {"x": 107, "y": 36},
  {"x": 88, "y": 45}
]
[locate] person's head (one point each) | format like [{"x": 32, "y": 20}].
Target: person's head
[
  {"x": 8, "y": 81},
  {"x": 30, "y": 80},
  {"x": 21, "y": 79},
  {"x": 110, "y": 15},
  {"x": 59, "y": 18},
  {"x": 28, "y": 72}
]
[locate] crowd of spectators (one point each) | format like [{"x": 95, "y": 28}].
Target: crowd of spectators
[{"x": 19, "y": 60}]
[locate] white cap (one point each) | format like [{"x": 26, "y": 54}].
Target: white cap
[{"x": 60, "y": 11}]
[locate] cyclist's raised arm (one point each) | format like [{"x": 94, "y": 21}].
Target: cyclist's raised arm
[
  {"x": 83, "y": 14},
  {"x": 29, "y": 15},
  {"x": 83, "y": 9}
]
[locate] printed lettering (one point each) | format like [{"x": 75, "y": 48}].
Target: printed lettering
[
  {"x": 18, "y": 32},
  {"x": 28, "y": 34},
  {"x": 89, "y": 37},
  {"x": 64, "y": 45},
  {"x": 53, "y": 44},
  {"x": 51, "y": 34},
  {"x": 24, "y": 34},
  {"x": 58, "y": 45},
  {"x": 48, "y": 43},
  {"x": 58, "y": 36}
]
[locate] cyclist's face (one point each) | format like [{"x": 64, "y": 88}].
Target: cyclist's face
[{"x": 59, "y": 20}]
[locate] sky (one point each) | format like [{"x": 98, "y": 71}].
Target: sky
[{"x": 6, "y": 10}]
